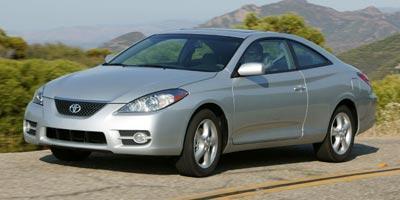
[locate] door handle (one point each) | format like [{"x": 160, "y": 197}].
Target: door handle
[{"x": 300, "y": 88}]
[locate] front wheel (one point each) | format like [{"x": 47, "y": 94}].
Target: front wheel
[
  {"x": 339, "y": 141},
  {"x": 202, "y": 146}
]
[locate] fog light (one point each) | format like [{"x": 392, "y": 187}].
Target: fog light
[
  {"x": 140, "y": 137},
  {"x": 29, "y": 127}
]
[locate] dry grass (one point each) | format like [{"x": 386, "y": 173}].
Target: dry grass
[{"x": 384, "y": 129}]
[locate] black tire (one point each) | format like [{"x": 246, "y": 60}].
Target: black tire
[
  {"x": 186, "y": 163},
  {"x": 69, "y": 154},
  {"x": 324, "y": 150}
]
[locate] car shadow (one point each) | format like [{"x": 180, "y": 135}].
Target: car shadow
[
  {"x": 231, "y": 161},
  {"x": 281, "y": 156},
  {"x": 122, "y": 163}
]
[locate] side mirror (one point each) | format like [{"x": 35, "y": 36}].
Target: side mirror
[
  {"x": 109, "y": 57},
  {"x": 251, "y": 69}
]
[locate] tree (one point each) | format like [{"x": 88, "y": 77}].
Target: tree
[
  {"x": 2, "y": 32},
  {"x": 19, "y": 46},
  {"x": 12, "y": 47},
  {"x": 287, "y": 23}
]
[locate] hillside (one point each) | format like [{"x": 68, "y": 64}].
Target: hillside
[
  {"x": 376, "y": 59},
  {"x": 120, "y": 43},
  {"x": 343, "y": 30}
]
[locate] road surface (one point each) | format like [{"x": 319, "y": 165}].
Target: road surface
[{"x": 38, "y": 175}]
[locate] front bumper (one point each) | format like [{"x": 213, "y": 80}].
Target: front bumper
[{"x": 167, "y": 128}]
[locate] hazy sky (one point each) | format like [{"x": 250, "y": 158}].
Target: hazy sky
[{"x": 46, "y": 14}]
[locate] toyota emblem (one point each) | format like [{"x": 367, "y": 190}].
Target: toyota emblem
[{"x": 75, "y": 108}]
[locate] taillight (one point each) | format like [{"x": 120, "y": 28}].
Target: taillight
[{"x": 364, "y": 78}]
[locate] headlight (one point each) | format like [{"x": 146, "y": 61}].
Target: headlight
[
  {"x": 38, "y": 96},
  {"x": 154, "y": 102}
]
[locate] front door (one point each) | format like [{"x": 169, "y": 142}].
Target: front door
[{"x": 271, "y": 106}]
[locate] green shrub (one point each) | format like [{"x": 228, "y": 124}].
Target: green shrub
[
  {"x": 19, "y": 80},
  {"x": 388, "y": 92},
  {"x": 98, "y": 53},
  {"x": 88, "y": 58}
]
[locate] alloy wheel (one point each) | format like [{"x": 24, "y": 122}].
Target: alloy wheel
[
  {"x": 341, "y": 133},
  {"x": 205, "y": 143}
]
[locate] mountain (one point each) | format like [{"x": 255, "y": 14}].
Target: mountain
[
  {"x": 94, "y": 36},
  {"x": 389, "y": 9},
  {"x": 81, "y": 36},
  {"x": 394, "y": 18},
  {"x": 120, "y": 43},
  {"x": 376, "y": 59},
  {"x": 343, "y": 30}
]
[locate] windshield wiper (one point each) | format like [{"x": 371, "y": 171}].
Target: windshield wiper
[
  {"x": 153, "y": 66},
  {"x": 141, "y": 65},
  {"x": 114, "y": 64}
]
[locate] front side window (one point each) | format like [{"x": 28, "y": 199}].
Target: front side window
[
  {"x": 181, "y": 51},
  {"x": 308, "y": 58},
  {"x": 273, "y": 54}
]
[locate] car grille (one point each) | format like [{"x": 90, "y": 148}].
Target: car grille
[
  {"x": 76, "y": 136},
  {"x": 87, "y": 109}
]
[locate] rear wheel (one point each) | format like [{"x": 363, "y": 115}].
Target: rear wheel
[
  {"x": 339, "y": 141},
  {"x": 202, "y": 146},
  {"x": 69, "y": 154}
]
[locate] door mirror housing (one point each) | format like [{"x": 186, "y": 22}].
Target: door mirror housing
[
  {"x": 251, "y": 69},
  {"x": 108, "y": 58}
]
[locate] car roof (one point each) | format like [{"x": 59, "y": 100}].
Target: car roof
[{"x": 239, "y": 33}]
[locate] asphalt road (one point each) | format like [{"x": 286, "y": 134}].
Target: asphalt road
[
  {"x": 38, "y": 175},
  {"x": 382, "y": 188}
]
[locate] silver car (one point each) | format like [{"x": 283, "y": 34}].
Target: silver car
[{"x": 200, "y": 93}]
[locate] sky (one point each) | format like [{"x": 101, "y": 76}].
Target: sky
[{"x": 48, "y": 14}]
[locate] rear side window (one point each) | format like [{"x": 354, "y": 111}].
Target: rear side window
[{"x": 307, "y": 57}]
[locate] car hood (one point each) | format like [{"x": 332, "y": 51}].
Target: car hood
[{"x": 118, "y": 84}]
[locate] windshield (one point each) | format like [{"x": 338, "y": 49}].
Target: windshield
[{"x": 181, "y": 51}]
